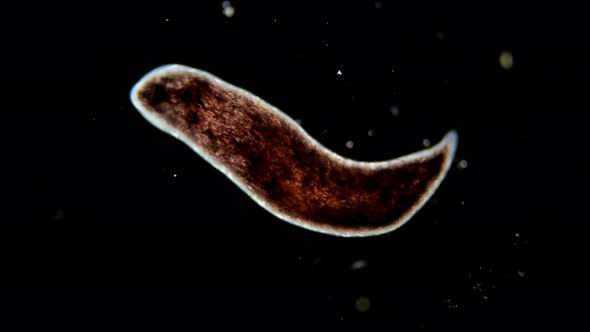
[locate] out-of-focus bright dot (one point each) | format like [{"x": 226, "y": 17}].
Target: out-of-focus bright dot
[
  {"x": 517, "y": 235},
  {"x": 521, "y": 274},
  {"x": 228, "y": 9},
  {"x": 394, "y": 110},
  {"x": 175, "y": 175},
  {"x": 462, "y": 164},
  {"x": 426, "y": 142},
  {"x": 339, "y": 73},
  {"x": 362, "y": 304},
  {"x": 350, "y": 144},
  {"x": 371, "y": 132},
  {"x": 378, "y": 4},
  {"x": 59, "y": 215},
  {"x": 167, "y": 19},
  {"x": 506, "y": 60},
  {"x": 358, "y": 265}
]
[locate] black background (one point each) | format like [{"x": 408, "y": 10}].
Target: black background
[{"x": 108, "y": 219}]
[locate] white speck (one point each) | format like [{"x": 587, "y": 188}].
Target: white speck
[
  {"x": 517, "y": 235},
  {"x": 174, "y": 175},
  {"x": 378, "y": 4},
  {"x": 228, "y": 9},
  {"x": 339, "y": 73},
  {"x": 462, "y": 164},
  {"x": 426, "y": 142},
  {"x": 462, "y": 202},
  {"x": 167, "y": 20},
  {"x": 362, "y": 304},
  {"x": 521, "y": 274},
  {"x": 371, "y": 132},
  {"x": 350, "y": 144},
  {"x": 393, "y": 70},
  {"x": 394, "y": 110},
  {"x": 360, "y": 264},
  {"x": 451, "y": 304},
  {"x": 274, "y": 20},
  {"x": 506, "y": 60},
  {"x": 325, "y": 43}
]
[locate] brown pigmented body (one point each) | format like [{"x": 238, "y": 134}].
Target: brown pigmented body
[{"x": 271, "y": 158}]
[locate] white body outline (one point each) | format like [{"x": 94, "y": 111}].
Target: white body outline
[{"x": 449, "y": 141}]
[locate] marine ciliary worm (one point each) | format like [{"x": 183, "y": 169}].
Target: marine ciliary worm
[{"x": 273, "y": 160}]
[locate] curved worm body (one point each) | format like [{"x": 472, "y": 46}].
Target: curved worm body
[{"x": 273, "y": 160}]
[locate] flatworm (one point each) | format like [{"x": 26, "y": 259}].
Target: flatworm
[{"x": 275, "y": 162}]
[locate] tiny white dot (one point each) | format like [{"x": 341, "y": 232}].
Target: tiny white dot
[
  {"x": 228, "y": 9},
  {"x": 426, "y": 142},
  {"x": 339, "y": 73},
  {"x": 462, "y": 164},
  {"x": 350, "y": 144},
  {"x": 371, "y": 132},
  {"x": 167, "y": 20},
  {"x": 174, "y": 175}
]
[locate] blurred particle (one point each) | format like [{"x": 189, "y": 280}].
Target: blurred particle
[
  {"x": 358, "y": 265},
  {"x": 339, "y": 73},
  {"x": 325, "y": 43},
  {"x": 299, "y": 121},
  {"x": 378, "y": 4},
  {"x": 451, "y": 304},
  {"x": 350, "y": 144},
  {"x": 462, "y": 164},
  {"x": 228, "y": 9},
  {"x": 394, "y": 110},
  {"x": 58, "y": 215},
  {"x": 167, "y": 20},
  {"x": 426, "y": 142},
  {"x": 371, "y": 132},
  {"x": 174, "y": 175},
  {"x": 506, "y": 60},
  {"x": 362, "y": 304},
  {"x": 521, "y": 274}
]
